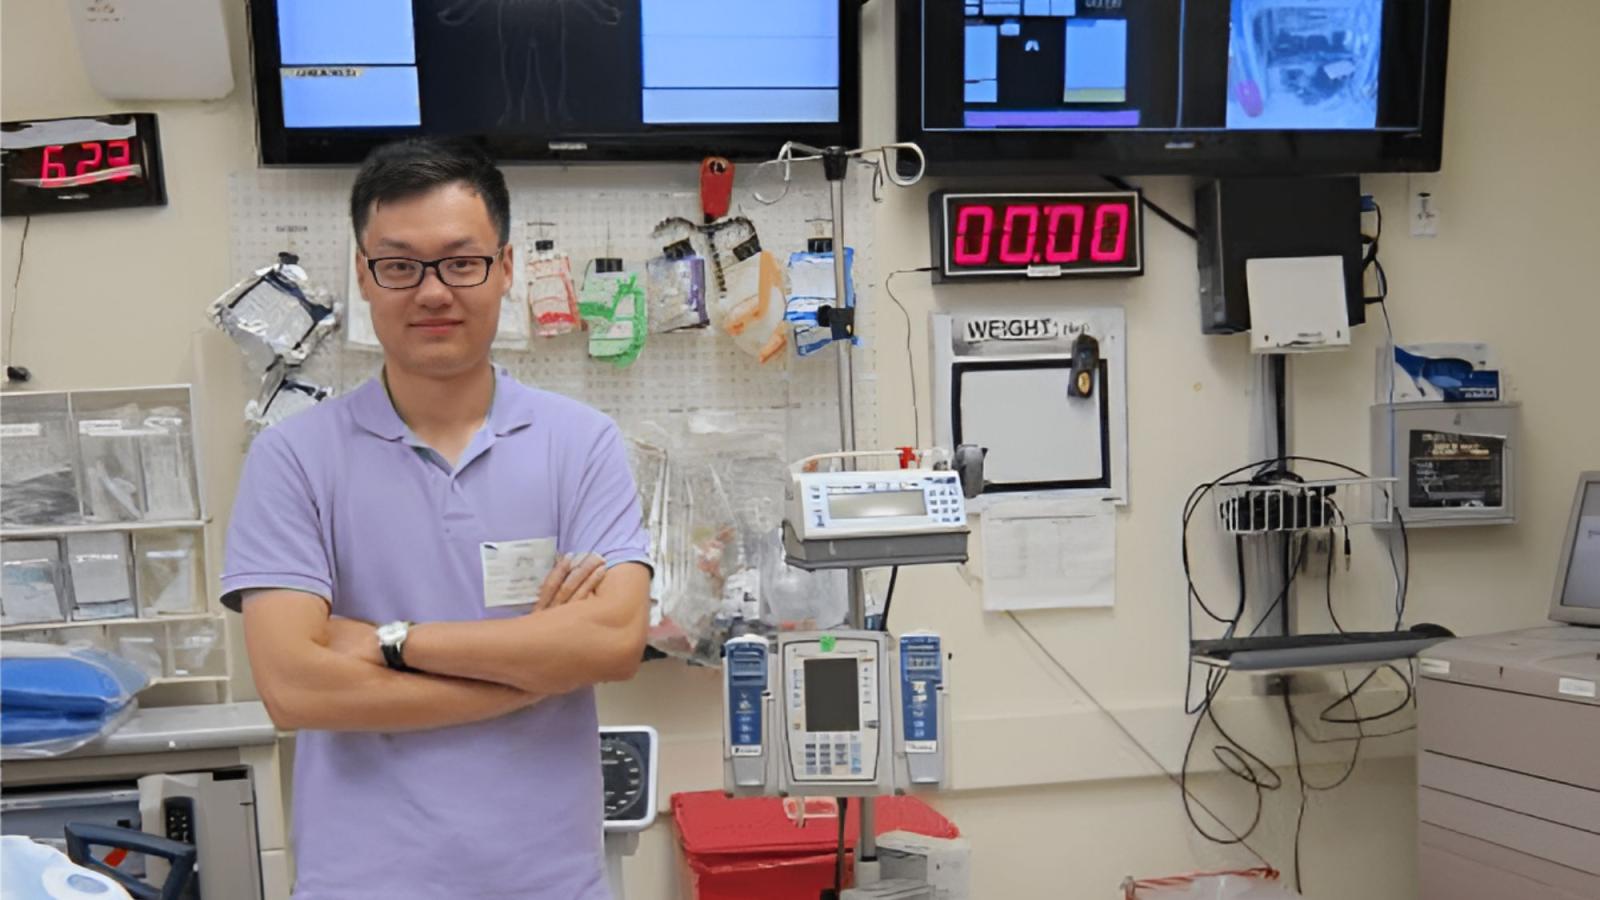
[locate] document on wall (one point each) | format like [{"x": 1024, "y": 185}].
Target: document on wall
[{"x": 1049, "y": 554}]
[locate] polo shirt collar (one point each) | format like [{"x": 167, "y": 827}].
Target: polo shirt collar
[{"x": 509, "y": 411}]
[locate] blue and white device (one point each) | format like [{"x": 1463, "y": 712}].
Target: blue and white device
[
  {"x": 841, "y": 713},
  {"x": 922, "y": 712},
  {"x": 746, "y": 698},
  {"x": 835, "y": 714}
]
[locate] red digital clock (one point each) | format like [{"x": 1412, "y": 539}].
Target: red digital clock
[
  {"x": 65, "y": 165},
  {"x": 1036, "y": 235}
]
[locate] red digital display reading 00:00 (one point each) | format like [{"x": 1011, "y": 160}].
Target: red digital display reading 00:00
[
  {"x": 1041, "y": 234},
  {"x": 75, "y": 165}
]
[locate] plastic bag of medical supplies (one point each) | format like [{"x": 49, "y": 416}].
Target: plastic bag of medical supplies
[
  {"x": 275, "y": 314},
  {"x": 712, "y": 488},
  {"x": 56, "y": 699},
  {"x": 33, "y": 871},
  {"x": 1249, "y": 884}
]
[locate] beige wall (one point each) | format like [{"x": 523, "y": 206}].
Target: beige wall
[{"x": 1056, "y": 802}]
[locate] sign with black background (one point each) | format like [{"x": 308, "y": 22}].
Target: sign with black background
[{"x": 1456, "y": 471}]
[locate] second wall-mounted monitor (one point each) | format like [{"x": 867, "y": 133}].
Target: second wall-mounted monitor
[
  {"x": 568, "y": 80},
  {"x": 1173, "y": 86}
]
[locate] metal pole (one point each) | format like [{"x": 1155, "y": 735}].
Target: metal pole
[{"x": 835, "y": 165}]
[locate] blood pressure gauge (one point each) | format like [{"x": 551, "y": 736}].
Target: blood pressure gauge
[{"x": 628, "y": 769}]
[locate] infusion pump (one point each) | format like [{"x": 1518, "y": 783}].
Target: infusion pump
[
  {"x": 826, "y": 505},
  {"x": 839, "y": 713}
]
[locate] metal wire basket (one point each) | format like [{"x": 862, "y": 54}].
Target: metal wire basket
[{"x": 1266, "y": 507}]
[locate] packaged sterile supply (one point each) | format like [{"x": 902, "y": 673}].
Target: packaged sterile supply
[
  {"x": 109, "y": 445},
  {"x": 285, "y": 394},
  {"x": 276, "y": 313},
  {"x": 166, "y": 459},
  {"x": 195, "y": 648},
  {"x": 32, "y": 583},
  {"x": 102, "y": 576},
  {"x": 675, "y": 286},
  {"x": 552, "y": 297},
  {"x": 145, "y": 646},
  {"x": 514, "y": 331},
  {"x": 811, "y": 287},
  {"x": 167, "y": 573},
  {"x": 39, "y": 480},
  {"x": 614, "y": 310},
  {"x": 56, "y": 699},
  {"x": 753, "y": 307}
]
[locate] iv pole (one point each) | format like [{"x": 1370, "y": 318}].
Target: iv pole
[{"x": 835, "y": 167}]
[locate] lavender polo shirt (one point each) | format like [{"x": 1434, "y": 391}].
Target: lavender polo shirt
[{"x": 342, "y": 501}]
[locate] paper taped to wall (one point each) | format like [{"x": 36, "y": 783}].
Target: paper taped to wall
[{"x": 1049, "y": 554}]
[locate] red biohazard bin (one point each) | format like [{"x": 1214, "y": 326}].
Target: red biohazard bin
[{"x": 748, "y": 848}]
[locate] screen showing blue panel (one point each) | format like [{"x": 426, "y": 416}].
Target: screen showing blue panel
[
  {"x": 982, "y": 81},
  {"x": 555, "y": 79},
  {"x": 736, "y": 61},
  {"x": 345, "y": 32},
  {"x": 350, "y": 97},
  {"x": 1097, "y": 61}
]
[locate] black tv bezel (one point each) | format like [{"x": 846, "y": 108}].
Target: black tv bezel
[
  {"x": 280, "y": 146},
  {"x": 1133, "y": 152}
]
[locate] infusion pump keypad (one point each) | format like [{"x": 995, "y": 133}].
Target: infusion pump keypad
[{"x": 833, "y": 754}]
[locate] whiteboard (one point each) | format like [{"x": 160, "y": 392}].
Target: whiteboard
[{"x": 1034, "y": 432}]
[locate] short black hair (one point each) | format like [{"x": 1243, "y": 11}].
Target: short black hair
[{"x": 417, "y": 165}]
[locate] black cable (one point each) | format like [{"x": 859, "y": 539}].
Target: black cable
[
  {"x": 16, "y": 298},
  {"x": 1138, "y": 744},
  {"x": 1369, "y": 258},
  {"x": 838, "y": 862},
  {"x": 1147, "y": 203},
  {"x": 911, "y": 368},
  {"x": 1360, "y": 718},
  {"x": 888, "y": 599},
  {"x": 1233, "y": 756},
  {"x": 1192, "y": 504},
  {"x": 1327, "y": 584},
  {"x": 1300, "y": 776}
]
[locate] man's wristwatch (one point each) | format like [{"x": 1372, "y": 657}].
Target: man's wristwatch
[{"x": 392, "y": 641}]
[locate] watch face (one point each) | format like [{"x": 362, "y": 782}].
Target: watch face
[
  {"x": 391, "y": 632},
  {"x": 623, "y": 770}
]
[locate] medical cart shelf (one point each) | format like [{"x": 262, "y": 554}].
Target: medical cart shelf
[
  {"x": 188, "y": 679},
  {"x": 34, "y": 531},
  {"x": 102, "y": 623}
]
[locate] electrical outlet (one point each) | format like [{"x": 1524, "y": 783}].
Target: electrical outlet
[{"x": 1424, "y": 206}]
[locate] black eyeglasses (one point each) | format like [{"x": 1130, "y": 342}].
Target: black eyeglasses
[{"x": 401, "y": 272}]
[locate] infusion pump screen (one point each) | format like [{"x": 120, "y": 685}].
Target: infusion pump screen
[
  {"x": 831, "y": 703},
  {"x": 1583, "y": 572},
  {"x": 877, "y": 505}
]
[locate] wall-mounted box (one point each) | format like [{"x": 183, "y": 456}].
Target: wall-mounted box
[{"x": 1455, "y": 462}]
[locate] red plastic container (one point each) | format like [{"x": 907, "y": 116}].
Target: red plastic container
[{"x": 749, "y": 848}]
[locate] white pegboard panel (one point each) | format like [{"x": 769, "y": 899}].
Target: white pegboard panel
[{"x": 306, "y": 212}]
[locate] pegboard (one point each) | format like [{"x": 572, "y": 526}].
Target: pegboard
[{"x": 306, "y": 212}]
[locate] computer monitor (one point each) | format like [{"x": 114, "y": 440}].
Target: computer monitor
[
  {"x": 555, "y": 80},
  {"x": 1577, "y": 595}
]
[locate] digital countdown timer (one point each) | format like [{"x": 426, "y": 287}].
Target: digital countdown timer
[
  {"x": 1036, "y": 235},
  {"x": 66, "y": 165}
]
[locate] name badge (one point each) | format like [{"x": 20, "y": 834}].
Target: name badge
[{"x": 514, "y": 570}]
